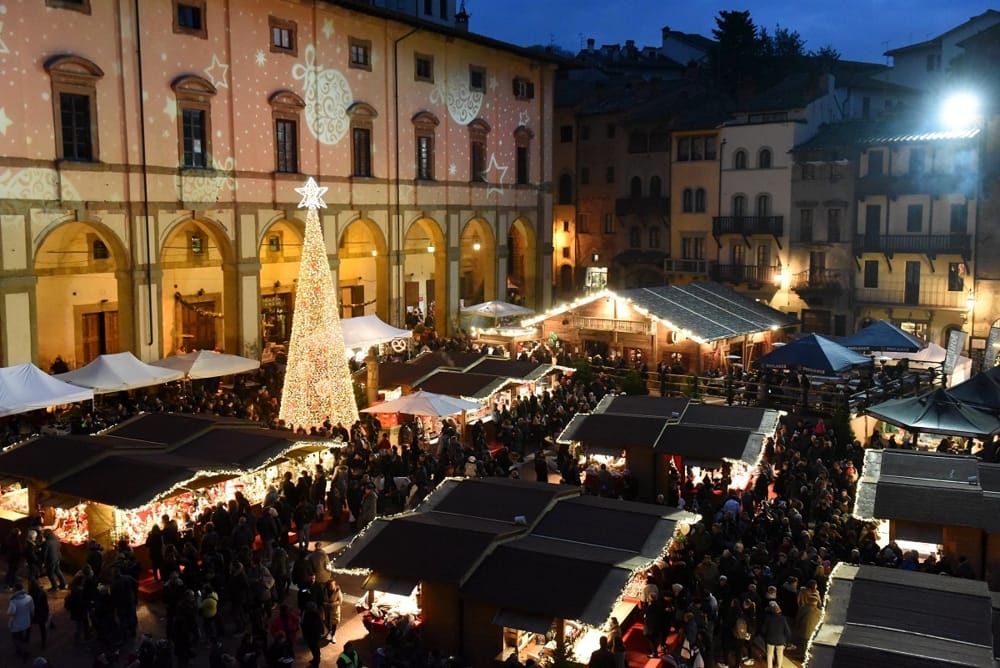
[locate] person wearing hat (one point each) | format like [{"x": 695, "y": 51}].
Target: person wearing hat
[
  {"x": 777, "y": 633},
  {"x": 471, "y": 469}
]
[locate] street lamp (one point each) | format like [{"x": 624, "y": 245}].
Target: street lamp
[{"x": 960, "y": 111}]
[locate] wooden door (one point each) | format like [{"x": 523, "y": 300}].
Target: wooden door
[{"x": 197, "y": 328}]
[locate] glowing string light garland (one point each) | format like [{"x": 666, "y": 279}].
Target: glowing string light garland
[{"x": 318, "y": 385}]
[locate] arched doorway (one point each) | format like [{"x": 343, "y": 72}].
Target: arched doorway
[
  {"x": 83, "y": 291},
  {"x": 195, "y": 258},
  {"x": 424, "y": 274},
  {"x": 566, "y": 283},
  {"x": 280, "y": 252},
  {"x": 477, "y": 265},
  {"x": 363, "y": 267},
  {"x": 522, "y": 265}
]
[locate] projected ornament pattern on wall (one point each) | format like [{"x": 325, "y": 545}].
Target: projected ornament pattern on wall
[{"x": 327, "y": 96}]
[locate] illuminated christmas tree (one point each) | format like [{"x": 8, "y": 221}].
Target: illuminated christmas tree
[{"x": 318, "y": 383}]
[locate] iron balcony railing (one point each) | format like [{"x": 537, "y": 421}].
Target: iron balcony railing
[
  {"x": 932, "y": 244},
  {"x": 748, "y": 225}
]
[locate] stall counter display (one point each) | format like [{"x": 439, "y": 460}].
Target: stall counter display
[
  {"x": 75, "y": 525},
  {"x": 619, "y": 475},
  {"x": 399, "y": 615},
  {"x": 14, "y": 502}
]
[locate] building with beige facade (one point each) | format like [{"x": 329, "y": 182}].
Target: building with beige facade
[{"x": 150, "y": 153}]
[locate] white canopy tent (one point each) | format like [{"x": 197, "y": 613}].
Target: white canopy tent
[
  {"x": 118, "y": 371},
  {"x": 369, "y": 330},
  {"x": 26, "y": 388},
  {"x": 208, "y": 364},
  {"x": 933, "y": 355},
  {"x": 426, "y": 404},
  {"x": 496, "y": 309}
]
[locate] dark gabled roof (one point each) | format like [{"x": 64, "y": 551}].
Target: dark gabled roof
[
  {"x": 364, "y": 7},
  {"x": 168, "y": 428},
  {"x": 246, "y": 449},
  {"x": 447, "y": 359},
  {"x": 497, "y": 498},
  {"x": 433, "y": 546},
  {"x": 849, "y": 136},
  {"x": 887, "y": 617},
  {"x": 742, "y": 417},
  {"x": 616, "y": 431},
  {"x": 793, "y": 92},
  {"x": 641, "y": 528},
  {"x": 642, "y": 405},
  {"x": 923, "y": 487},
  {"x": 708, "y": 310},
  {"x": 588, "y": 595},
  {"x": 508, "y": 368},
  {"x": 710, "y": 446},
  {"x": 124, "y": 481},
  {"x": 46, "y": 458},
  {"x": 936, "y": 41},
  {"x": 462, "y": 384}
]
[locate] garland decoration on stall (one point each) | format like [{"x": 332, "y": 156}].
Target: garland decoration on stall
[{"x": 203, "y": 312}]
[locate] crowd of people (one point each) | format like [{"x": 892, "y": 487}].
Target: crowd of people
[{"x": 749, "y": 578}]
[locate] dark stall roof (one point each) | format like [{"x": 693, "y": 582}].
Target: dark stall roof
[
  {"x": 397, "y": 374},
  {"x": 496, "y": 498},
  {"x": 246, "y": 449},
  {"x": 921, "y": 487},
  {"x": 447, "y": 359},
  {"x": 708, "y": 310},
  {"x": 641, "y": 528},
  {"x": 507, "y": 368},
  {"x": 882, "y": 616},
  {"x": 598, "y": 578},
  {"x": 124, "y": 482},
  {"x": 462, "y": 384},
  {"x": 709, "y": 446},
  {"x": 168, "y": 428},
  {"x": 742, "y": 417},
  {"x": 649, "y": 406},
  {"x": 48, "y": 458},
  {"x": 619, "y": 431},
  {"x": 433, "y": 546}
]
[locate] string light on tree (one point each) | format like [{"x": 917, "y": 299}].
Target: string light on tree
[{"x": 318, "y": 385}]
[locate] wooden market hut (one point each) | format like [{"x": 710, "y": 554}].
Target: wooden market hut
[
  {"x": 652, "y": 431},
  {"x": 486, "y": 554},
  {"x": 877, "y": 616},
  {"x": 693, "y": 326},
  {"x": 951, "y": 501}
]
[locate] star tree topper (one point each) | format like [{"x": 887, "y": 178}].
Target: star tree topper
[{"x": 312, "y": 195}]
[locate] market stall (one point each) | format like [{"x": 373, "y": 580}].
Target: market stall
[{"x": 628, "y": 445}]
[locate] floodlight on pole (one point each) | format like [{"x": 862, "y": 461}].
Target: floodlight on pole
[{"x": 960, "y": 111}]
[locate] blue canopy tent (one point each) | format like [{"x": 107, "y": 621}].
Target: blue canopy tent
[
  {"x": 937, "y": 413},
  {"x": 883, "y": 336},
  {"x": 812, "y": 354},
  {"x": 982, "y": 391}
]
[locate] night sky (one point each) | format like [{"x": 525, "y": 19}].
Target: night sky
[{"x": 858, "y": 29}]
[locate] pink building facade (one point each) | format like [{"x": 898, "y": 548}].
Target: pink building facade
[{"x": 149, "y": 154}]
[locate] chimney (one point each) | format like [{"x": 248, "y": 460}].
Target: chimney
[
  {"x": 630, "y": 44},
  {"x": 590, "y": 44},
  {"x": 665, "y": 34}
]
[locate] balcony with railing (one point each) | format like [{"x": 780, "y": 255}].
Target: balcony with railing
[
  {"x": 748, "y": 225},
  {"x": 614, "y": 325},
  {"x": 683, "y": 266},
  {"x": 923, "y": 296},
  {"x": 925, "y": 244},
  {"x": 936, "y": 184},
  {"x": 642, "y": 206},
  {"x": 819, "y": 281},
  {"x": 743, "y": 273}
]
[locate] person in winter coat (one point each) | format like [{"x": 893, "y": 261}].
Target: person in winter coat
[
  {"x": 777, "y": 633},
  {"x": 332, "y": 612},
  {"x": 312, "y": 631},
  {"x": 41, "y": 615},
  {"x": 20, "y": 613},
  {"x": 52, "y": 560},
  {"x": 369, "y": 507}
]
